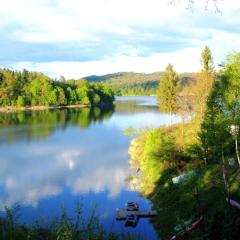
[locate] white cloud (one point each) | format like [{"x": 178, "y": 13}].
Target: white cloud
[
  {"x": 182, "y": 61},
  {"x": 136, "y": 35},
  {"x": 157, "y": 62}
]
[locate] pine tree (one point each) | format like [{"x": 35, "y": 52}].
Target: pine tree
[
  {"x": 168, "y": 90},
  {"x": 207, "y": 60}
]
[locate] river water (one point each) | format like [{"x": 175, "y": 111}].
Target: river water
[{"x": 50, "y": 158}]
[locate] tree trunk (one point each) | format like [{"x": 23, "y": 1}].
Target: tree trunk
[{"x": 236, "y": 143}]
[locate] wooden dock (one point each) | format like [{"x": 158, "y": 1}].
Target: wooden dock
[{"x": 121, "y": 213}]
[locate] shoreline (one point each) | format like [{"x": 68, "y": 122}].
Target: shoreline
[{"x": 8, "y": 109}]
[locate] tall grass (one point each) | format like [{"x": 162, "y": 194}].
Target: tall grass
[{"x": 62, "y": 227}]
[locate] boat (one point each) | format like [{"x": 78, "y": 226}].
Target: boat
[
  {"x": 233, "y": 203},
  {"x": 188, "y": 229},
  {"x": 131, "y": 220},
  {"x": 132, "y": 206}
]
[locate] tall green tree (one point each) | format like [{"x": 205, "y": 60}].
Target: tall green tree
[
  {"x": 223, "y": 109},
  {"x": 199, "y": 89},
  {"x": 207, "y": 60},
  {"x": 168, "y": 90}
]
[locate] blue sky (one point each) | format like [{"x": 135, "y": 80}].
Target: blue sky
[{"x": 76, "y": 38}]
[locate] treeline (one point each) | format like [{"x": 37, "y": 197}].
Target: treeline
[
  {"x": 139, "y": 89},
  {"x": 135, "y": 84},
  {"x": 190, "y": 169},
  {"x": 25, "y": 88},
  {"x": 129, "y": 83}
]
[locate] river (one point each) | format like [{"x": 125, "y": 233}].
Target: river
[{"x": 50, "y": 158}]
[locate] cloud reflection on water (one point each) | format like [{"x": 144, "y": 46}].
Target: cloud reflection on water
[
  {"x": 90, "y": 160},
  {"x": 45, "y": 172}
]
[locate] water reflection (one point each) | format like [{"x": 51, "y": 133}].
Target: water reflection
[
  {"x": 31, "y": 172},
  {"x": 52, "y": 156},
  {"x": 139, "y": 112},
  {"x": 27, "y": 125},
  {"x": 130, "y": 105}
]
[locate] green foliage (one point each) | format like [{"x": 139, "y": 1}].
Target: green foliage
[
  {"x": 223, "y": 110},
  {"x": 207, "y": 60},
  {"x": 63, "y": 227},
  {"x": 96, "y": 99},
  {"x": 168, "y": 90},
  {"x": 157, "y": 156},
  {"x": 35, "y": 89},
  {"x": 20, "y": 101},
  {"x": 129, "y": 83},
  {"x": 161, "y": 156},
  {"x": 150, "y": 153},
  {"x": 134, "y": 84}
]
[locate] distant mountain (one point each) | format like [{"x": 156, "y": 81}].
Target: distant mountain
[
  {"x": 131, "y": 83},
  {"x": 125, "y": 77}
]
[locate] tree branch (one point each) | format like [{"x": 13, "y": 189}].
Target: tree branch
[{"x": 191, "y": 3}]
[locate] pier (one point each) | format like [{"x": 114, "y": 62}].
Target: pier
[{"x": 122, "y": 214}]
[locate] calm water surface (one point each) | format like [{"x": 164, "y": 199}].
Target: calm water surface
[{"x": 49, "y": 158}]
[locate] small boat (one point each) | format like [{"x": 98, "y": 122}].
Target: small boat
[
  {"x": 188, "y": 229},
  {"x": 183, "y": 177},
  {"x": 233, "y": 203},
  {"x": 131, "y": 220},
  {"x": 194, "y": 225},
  {"x": 132, "y": 206}
]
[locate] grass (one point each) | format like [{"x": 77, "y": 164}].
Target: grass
[
  {"x": 160, "y": 155},
  {"x": 62, "y": 227}
]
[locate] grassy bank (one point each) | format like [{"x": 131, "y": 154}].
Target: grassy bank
[
  {"x": 162, "y": 154},
  {"x": 189, "y": 170}
]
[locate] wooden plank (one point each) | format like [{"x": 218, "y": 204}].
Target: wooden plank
[{"x": 121, "y": 214}]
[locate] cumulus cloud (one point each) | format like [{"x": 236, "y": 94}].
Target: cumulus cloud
[
  {"x": 180, "y": 60},
  {"x": 77, "y": 38}
]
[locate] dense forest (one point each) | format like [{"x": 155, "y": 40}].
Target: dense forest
[
  {"x": 190, "y": 170},
  {"x": 25, "y": 88},
  {"x": 135, "y": 84}
]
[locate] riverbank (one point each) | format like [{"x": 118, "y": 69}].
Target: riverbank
[
  {"x": 172, "y": 173},
  {"x": 40, "y": 108}
]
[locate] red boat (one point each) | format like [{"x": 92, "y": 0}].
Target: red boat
[
  {"x": 194, "y": 225},
  {"x": 188, "y": 229}
]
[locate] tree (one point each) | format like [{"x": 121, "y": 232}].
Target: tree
[
  {"x": 61, "y": 99},
  {"x": 96, "y": 99},
  {"x": 168, "y": 90},
  {"x": 207, "y": 60},
  {"x": 199, "y": 88},
  {"x": 72, "y": 96},
  {"x": 222, "y": 111},
  {"x": 20, "y": 101}
]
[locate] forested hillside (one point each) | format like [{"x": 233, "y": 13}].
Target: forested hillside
[
  {"x": 25, "y": 88},
  {"x": 130, "y": 83}
]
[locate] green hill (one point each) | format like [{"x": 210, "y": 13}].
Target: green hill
[{"x": 131, "y": 83}]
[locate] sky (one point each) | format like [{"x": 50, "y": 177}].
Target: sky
[{"x": 76, "y": 38}]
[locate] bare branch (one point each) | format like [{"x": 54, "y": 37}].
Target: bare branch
[{"x": 191, "y": 3}]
